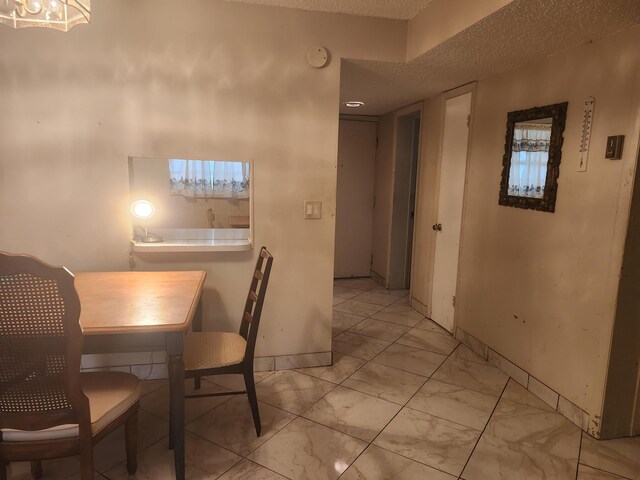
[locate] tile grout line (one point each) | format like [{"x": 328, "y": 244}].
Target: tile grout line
[
  {"x": 402, "y": 344},
  {"x": 483, "y": 430},
  {"x": 360, "y": 367},
  {"x": 242, "y": 456},
  {"x": 429, "y": 377},
  {"x": 366, "y": 363},
  {"x": 399, "y": 411},
  {"x": 617, "y": 475},
  {"x": 579, "y": 453},
  {"x": 371, "y": 443}
]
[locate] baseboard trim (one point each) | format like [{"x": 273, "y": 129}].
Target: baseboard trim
[
  {"x": 158, "y": 368},
  {"x": 566, "y": 408}
]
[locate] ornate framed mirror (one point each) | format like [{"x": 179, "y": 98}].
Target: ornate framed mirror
[{"x": 532, "y": 153}]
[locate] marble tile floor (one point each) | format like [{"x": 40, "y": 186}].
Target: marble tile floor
[{"x": 403, "y": 400}]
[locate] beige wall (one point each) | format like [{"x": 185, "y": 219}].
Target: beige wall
[
  {"x": 214, "y": 80},
  {"x": 540, "y": 288},
  {"x": 383, "y": 193}
]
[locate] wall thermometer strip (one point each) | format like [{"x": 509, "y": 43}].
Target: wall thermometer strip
[{"x": 587, "y": 120}]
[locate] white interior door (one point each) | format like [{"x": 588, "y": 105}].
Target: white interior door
[
  {"x": 452, "y": 177},
  {"x": 354, "y": 198}
]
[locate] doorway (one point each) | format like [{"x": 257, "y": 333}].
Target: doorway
[
  {"x": 448, "y": 226},
  {"x": 404, "y": 200},
  {"x": 354, "y": 198}
]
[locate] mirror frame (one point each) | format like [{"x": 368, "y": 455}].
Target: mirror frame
[{"x": 558, "y": 113}]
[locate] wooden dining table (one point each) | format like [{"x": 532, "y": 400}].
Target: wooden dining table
[{"x": 144, "y": 311}]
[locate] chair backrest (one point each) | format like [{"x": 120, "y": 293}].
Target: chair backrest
[
  {"x": 255, "y": 299},
  {"x": 40, "y": 346}
]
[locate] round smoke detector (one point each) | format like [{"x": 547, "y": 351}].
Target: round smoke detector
[{"x": 317, "y": 57}]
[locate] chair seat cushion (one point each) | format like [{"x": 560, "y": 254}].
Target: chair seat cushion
[
  {"x": 110, "y": 394},
  {"x": 204, "y": 350}
]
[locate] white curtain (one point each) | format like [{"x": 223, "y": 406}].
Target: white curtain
[
  {"x": 209, "y": 178},
  {"x": 529, "y": 158}
]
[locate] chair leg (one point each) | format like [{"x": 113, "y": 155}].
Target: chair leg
[
  {"x": 131, "y": 441},
  {"x": 36, "y": 469},
  {"x": 3, "y": 470},
  {"x": 253, "y": 400},
  {"x": 86, "y": 462}
]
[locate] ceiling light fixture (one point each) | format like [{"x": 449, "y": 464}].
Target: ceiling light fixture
[
  {"x": 58, "y": 14},
  {"x": 354, "y": 104}
]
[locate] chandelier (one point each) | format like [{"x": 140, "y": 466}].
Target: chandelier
[{"x": 58, "y": 14}]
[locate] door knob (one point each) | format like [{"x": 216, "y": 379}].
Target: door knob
[{"x": 437, "y": 226}]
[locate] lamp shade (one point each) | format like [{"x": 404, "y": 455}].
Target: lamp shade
[
  {"x": 143, "y": 209},
  {"x": 58, "y": 14}
]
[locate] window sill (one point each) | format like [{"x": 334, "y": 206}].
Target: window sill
[{"x": 196, "y": 240}]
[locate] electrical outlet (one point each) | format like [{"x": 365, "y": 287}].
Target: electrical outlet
[{"x": 312, "y": 209}]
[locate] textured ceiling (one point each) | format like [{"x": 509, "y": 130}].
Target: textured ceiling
[
  {"x": 522, "y": 32},
  {"x": 398, "y": 9}
]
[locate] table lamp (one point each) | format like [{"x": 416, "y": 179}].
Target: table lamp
[{"x": 144, "y": 210}]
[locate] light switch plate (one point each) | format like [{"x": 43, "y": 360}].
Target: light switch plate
[
  {"x": 614, "y": 147},
  {"x": 312, "y": 209}
]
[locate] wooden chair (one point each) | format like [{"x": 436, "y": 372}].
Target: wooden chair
[
  {"x": 48, "y": 409},
  {"x": 218, "y": 353}
]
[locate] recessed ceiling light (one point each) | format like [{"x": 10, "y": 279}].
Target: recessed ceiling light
[{"x": 354, "y": 104}]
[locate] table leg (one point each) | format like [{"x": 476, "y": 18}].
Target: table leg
[
  {"x": 196, "y": 325},
  {"x": 175, "y": 348}
]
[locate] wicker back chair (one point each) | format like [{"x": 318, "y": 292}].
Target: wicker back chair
[
  {"x": 47, "y": 408},
  {"x": 218, "y": 353}
]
